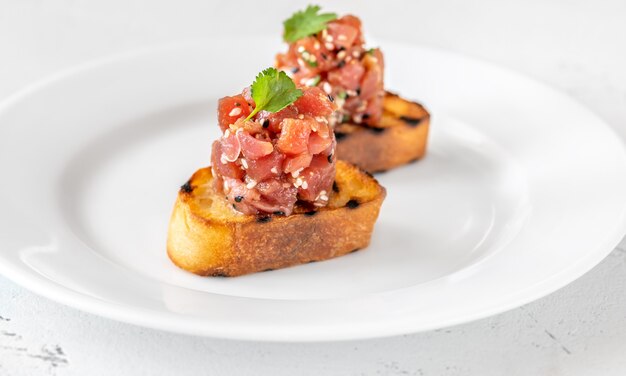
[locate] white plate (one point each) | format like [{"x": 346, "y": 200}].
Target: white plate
[{"x": 522, "y": 191}]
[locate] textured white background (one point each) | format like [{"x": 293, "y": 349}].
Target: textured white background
[{"x": 577, "y": 46}]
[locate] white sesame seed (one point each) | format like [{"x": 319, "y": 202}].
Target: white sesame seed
[
  {"x": 227, "y": 133},
  {"x": 351, "y": 93},
  {"x": 322, "y": 192},
  {"x": 251, "y": 184},
  {"x": 321, "y": 119},
  {"x": 348, "y": 59},
  {"x": 223, "y": 159},
  {"x": 235, "y": 111},
  {"x": 301, "y": 49},
  {"x": 327, "y": 88},
  {"x": 329, "y": 38},
  {"x": 324, "y": 33},
  {"x": 312, "y": 58},
  {"x": 323, "y": 197},
  {"x": 244, "y": 163},
  {"x": 305, "y": 185},
  {"x": 274, "y": 170},
  {"x": 329, "y": 46},
  {"x": 300, "y": 62},
  {"x": 341, "y": 55},
  {"x": 356, "y": 53},
  {"x": 300, "y": 116},
  {"x": 316, "y": 45},
  {"x": 342, "y": 37}
]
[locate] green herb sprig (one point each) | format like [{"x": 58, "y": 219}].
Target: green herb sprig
[
  {"x": 306, "y": 22},
  {"x": 272, "y": 91}
]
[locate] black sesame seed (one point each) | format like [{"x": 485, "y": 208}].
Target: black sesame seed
[
  {"x": 295, "y": 70},
  {"x": 238, "y": 198},
  {"x": 377, "y": 130},
  {"x": 237, "y": 104},
  {"x": 278, "y": 212},
  {"x": 187, "y": 188},
  {"x": 330, "y": 158},
  {"x": 352, "y": 204},
  {"x": 330, "y": 98},
  {"x": 341, "y": 49},
  {"x": 366, "y": 116},
  {"x": 358, "y": 91},
  {"x": 265, "y": 123},
  {"x": 234, "y": 206},
  {"x": 324, "y": 56},
  {"x": 340, "y": 136},
  {"x": 310, "y": 213},
  {"x": 341, "y": 64},
  {"x": 335, "y": 187},
  {"x": 411, "y": 120},
  {"x": 263, "y": 219}
]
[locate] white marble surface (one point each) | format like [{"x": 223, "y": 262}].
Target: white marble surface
[{"x": 578, "y": 46}]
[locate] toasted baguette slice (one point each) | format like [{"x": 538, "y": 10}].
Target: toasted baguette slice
[
  {"x": 399, "y": 138},
  {"x": 207, "y": 237}
]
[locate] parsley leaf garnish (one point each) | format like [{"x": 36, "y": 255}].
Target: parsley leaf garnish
[
  {"x": 272, "y": 91},
  {"x": 305, "y": 23}
]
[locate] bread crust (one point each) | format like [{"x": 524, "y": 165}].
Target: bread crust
[
  {"x": 207, "y": 237},
  {"x": 399, "y": 138}
]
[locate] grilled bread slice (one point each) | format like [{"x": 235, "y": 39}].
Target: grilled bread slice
[
  {"x": 399, "y": 138},
  {"x": 207, "y": 237}
]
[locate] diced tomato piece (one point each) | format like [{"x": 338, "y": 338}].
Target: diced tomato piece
[
  {"x": 262, "y": 168},
  {"x": 253, "y": 148},
  {"x": 349, "y": 76},
  {"x": 319, "y": 177},
  {"x": 228, "y": 169},
  {"x": 229, "y": 109},
  {"x": 294, "y": 136},
  {"x": 370, "y": 85},
  {"x": 231, "y": 147},
  {"x": 318, "y": 144},
  {"x": 296, "y": 163},
  {"x": 314, "y": 102},
  {"x": 343, "y": 34},
  {"x": 275, "y": 119}
]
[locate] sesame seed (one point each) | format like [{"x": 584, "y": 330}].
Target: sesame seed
[
  {"x": 223, "y": 159},
  {"x": 316, "y": 45},
  {"x": 300, "y": 116},
  {"x": 238, "y": 198},
  {"x": 301, "y": 49},
  {"x": 274, "y": 170},
  {"x": 341, "y": 55},
  {"x": 251, "y": 184},
  {"x": 305, "y": 185},
  {"x": 244, "y": 163},
  {"x": 329, "y": 38},
  {"x": 356, "y": 54},
  {"x": 323, "y": 197},
  {"x": 323, "y": 192},
  {"x": 235, "y": 111},
  {"x": 327, "y": 88},
  {"x": 227, "y": 133},
  {"x": 329, "y": 46},
  {"x": 342, "y": 37}
]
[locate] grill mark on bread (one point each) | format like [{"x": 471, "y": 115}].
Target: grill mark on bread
[
  {"x": 352, "y": 204},
  {"x": 411, "y": 121},
  {"x": 187, "y": 188}
]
